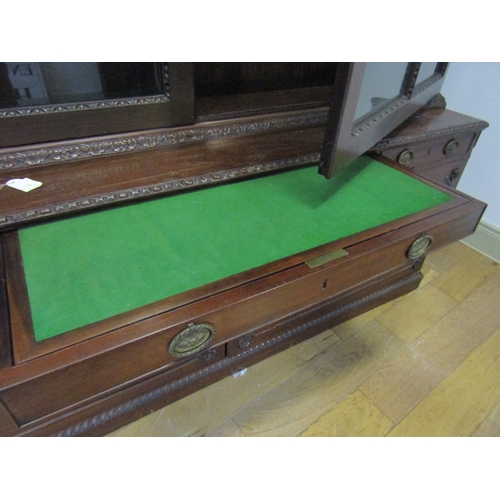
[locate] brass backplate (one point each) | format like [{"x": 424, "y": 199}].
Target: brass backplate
[
  {"x": 323, "y": 259},
  {"x": 191, "y": 340},
  {"x": 420, "y": 246}
]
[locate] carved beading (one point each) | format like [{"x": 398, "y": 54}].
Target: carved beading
[
  {"x": 151, "y": 396},
  {"x": 79, "y": 150},
  {"x": 154, "y": 189},
  {"x": 366, "y": 125},
  {"x": 400, "y": 140}
]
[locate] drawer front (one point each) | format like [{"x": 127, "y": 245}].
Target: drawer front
[
  {"x": 146, "y": 345},
  {"x": 331, "y": 312},
  {"x": 448, "y": 173},
  {"x": 445, "y": 148},
  {"x": 89, "y": 382}
]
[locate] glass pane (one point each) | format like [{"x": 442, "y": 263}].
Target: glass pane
[
  {"x": 36, "y": 84},
  {"x": 381, "y": 82},
  {"x": 426, "y": 70}
]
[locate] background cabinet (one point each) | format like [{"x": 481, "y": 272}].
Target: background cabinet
[{"x": 239, "y": 122}]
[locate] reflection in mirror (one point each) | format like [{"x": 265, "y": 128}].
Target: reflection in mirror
[
  {"x": 427, "y": 69},
  {"x": 382, "y": 81},
  {"x": 39, "y": 84}
]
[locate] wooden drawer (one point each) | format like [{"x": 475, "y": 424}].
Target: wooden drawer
[
  {"x": 447, "y": 148},
  {"x": 231, "y": 313},
  {"x": 330, "y": 312},
  {"x": 65, "y": 377},
  {"x": 60, "y": 375},
  {"x": 139, "y": 399},
  {"x": 447, "y": 173},
  {"x": 91, "y": 380}
]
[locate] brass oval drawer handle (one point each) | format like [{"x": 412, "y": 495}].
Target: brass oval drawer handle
[
  {"x": 191, "y": 340},
  {"x": 420, "y": 246},
  {"x": 451, "y": 147},
  {"x": 405, "y": 157}
]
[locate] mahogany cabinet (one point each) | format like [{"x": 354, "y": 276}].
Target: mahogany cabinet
[{"x": 224, "y": 245}]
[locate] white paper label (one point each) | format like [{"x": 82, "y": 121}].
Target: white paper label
[{"x": 25, "y": 184}]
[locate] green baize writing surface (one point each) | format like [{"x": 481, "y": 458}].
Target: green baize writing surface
[{"x": 90, "y": 267}]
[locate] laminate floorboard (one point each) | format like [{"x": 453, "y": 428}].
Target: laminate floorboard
[{"x": 426, "y": 364}]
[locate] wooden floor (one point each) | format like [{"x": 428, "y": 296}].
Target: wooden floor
[{"x": 427, "y": 364}]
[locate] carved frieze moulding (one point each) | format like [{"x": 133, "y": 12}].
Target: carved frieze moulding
[
  {"x": 364, "y": 126},
  {"x": 152, "y": 190},
  {"x": 77, "y": 150},
  {"x": 404, "y": 139},
  {"x": 58, "y": 108},
  {"x": 320, "y": 321}
]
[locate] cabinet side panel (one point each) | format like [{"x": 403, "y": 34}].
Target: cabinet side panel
[
  {"x": 8, "y": 426},
  {"x": 5, "y": 342}
]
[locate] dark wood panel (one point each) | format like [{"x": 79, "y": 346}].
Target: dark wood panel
[
  {"x": 8, "y": 426},
  {"x": 448, "y": 173},
  {"x": 232, "y": 106},
  {"x": 229, "y": 78},
  {"x": 94, "y": 183},
  {"x": 5, "y": 339}
]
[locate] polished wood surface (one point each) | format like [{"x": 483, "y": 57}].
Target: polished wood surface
[
  {"x": 93, "y": 173},
  {"x": 95, "y": 182},
  {"x": 100, "y": 377},
  {"x": 426, "y": 364},
  {"x": 42, "y": 386}
]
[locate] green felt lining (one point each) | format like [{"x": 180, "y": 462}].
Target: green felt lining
[{"x": 87, "y": 268}]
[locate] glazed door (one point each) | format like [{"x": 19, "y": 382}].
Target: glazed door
[{"x": 369, "y": 100}]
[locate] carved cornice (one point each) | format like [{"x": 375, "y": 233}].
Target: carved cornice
[
  {"x": 79, "y": 150},
  {"x": 152, "y": 190},
  {"x": 405, "y": 139},
  {"x": 319, "y": 321}
]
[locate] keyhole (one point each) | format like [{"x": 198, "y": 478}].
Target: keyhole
[{"x": 325, "y": 283}]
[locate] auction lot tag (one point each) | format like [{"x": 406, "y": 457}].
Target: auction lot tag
[{"x": 25, "y": 184}]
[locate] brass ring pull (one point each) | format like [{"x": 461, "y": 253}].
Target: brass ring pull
[
  {"x": 191, "y": 340},
  {"x": 405, "y": 157},
  {"x": 420, "y": 246}
]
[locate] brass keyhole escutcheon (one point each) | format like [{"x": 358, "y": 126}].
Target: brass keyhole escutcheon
[
  {"x": 420, "y": 246},
  {"x": 191, "y": 340}
]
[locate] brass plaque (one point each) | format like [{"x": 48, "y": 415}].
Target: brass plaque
[
  {"x": 323, "y": 259},
  {"x": 191, "y": 340}
]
